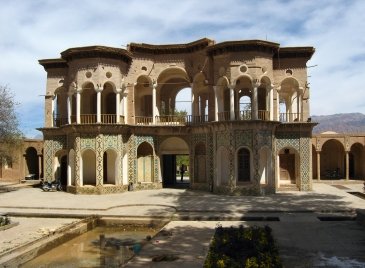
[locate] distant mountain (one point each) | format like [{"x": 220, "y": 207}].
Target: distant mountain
[{"x": 340, "y": 123}]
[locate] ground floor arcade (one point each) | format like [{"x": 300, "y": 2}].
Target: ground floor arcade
[{"x": 253, "y": 158}]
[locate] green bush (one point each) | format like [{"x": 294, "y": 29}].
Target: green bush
[
  {"x": 251, "y": 247},
  {"x": 4, "y": 220}
]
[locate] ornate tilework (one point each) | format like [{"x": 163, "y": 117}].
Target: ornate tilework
[
  {"x": 243, "y": 138},
  {"x": 223, "y": 138},
  {"x": 287, "y": 140},
  {"x": 77, "y": 147},
  {"x": 88, "y": 142},
  {"x": 48, "y": 160},
  {"x": 110, "y": 142},
  {"x": 99, "y": 160},
  {"x": 305, "y": 164}
]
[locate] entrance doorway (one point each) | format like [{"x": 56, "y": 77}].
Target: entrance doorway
[
  {"x": 287, "y": 167},
  {"x": 175, "y": 171},
  {"x": 63, "y": 171}
]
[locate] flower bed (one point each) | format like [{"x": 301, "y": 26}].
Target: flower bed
[{"x": 251, "y": 247}]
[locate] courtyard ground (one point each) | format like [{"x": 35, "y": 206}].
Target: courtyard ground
[{"x": 303, "y": 239}]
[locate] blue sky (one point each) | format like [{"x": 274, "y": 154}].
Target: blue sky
[{"x": 32, "y": 30}]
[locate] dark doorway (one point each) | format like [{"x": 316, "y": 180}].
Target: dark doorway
[
  {"x": 173, "y": 165},
  {"x": 169, "y": 170},
  {"x": 32, "y": 165},
  {"x": 244, "y": 171},
  {"x": 287, "y": 167},
  {"x": 63, "y": 167}
]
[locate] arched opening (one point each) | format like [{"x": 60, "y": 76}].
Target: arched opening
[
  {"x": 63, "y": 170},
  {"x": 71, "y": 168},
  {"x": 222, "y": 166},
  {"x": 290, "y": 100},
  {"x": 31, "y": 162},
  {"x": 200, "y": 172},
  {"x": 288, "y": 168},
  {"x": 88, "y": 104},
  {"x": 332, "y": 160},
  {"x": 60, "y": 107},
  {"x": 145, "y": 162},
  {"x": 143, "y": 100},
  {"x": 245, "y": 106},
  {"x": 88, "y": 167},
  {"x": 110, "y": 167},
  {"x": 243, "y": 165},
  {"x": 175, "y": 162},
  {"x": 265, "y": 165},
  {"x": 356, "y": 158},
  {"x": 170, "y": 82},
  {"x": 243, "y": 98},
  {"x": 108, "y": 105}
]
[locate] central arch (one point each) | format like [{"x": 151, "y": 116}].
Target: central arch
[{"x": 174, "y": 151}]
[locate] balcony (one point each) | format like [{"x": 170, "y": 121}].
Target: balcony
[
  {"x": 290, "y": 117},
  {"x": 87, "y": 119}
]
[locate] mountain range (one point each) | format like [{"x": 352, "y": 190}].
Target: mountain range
[{"x": 340, "y": 123}]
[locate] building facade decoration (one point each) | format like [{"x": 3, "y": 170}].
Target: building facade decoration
[{"x": 110, "y": 113}]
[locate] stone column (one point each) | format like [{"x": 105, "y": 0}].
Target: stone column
[
  {"x": 318, "y": 165},
  {"x": 255, "y": 85},
  {"x": 347, "y": 165},
  {"x": 154, "y": 102},
  {"x": 98, "y": 90},
  {"x": 271, "y": 102},
  {"x": 215, "y": 103},
  {"x": 78, "y": 106},
  {"x": 117, "y": 100},
  {"x": 69, "y": 107},
  {"x": 231, "y": 102},
  {"x": 54, "y": 116}
]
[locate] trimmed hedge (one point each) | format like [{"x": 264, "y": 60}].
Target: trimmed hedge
[
  {"x": 4, "y": 220},
  {"x": 251, "y": 247}
]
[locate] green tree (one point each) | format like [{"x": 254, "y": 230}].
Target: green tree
[{"x": 10, "y": 135}]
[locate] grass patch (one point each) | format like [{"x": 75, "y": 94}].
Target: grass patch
[{"x": 252, "y": 247}]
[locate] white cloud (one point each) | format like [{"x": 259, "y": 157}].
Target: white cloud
[{"x": 32, "y": 30}]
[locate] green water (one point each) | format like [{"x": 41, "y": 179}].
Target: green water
[{"x": 84, "y": 251}]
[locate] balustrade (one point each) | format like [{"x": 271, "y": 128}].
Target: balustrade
[{"x": 290, "y": 117}]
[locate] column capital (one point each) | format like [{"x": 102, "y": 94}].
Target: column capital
[
  {"x": 231, "y": 86},
  {"x": 98, "y": 88},
  {"x": 256, "y": 83}
]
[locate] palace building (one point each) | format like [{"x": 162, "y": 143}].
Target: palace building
[{"x": 111, "y": 122}]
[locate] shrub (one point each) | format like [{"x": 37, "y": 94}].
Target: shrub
[
  {"x": 4, "y": 220},
  {"x": 251, "y": 247}
]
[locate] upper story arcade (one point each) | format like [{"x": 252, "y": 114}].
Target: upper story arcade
[{"x": 229, "y": 81}]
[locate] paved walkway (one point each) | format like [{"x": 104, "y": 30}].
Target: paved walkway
[{"x": 299, "y": 232}]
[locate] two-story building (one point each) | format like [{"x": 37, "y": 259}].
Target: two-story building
[{"x": 111, "y": 121}]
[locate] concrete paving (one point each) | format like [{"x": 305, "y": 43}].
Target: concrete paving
[{"x": 303, "y": 239}]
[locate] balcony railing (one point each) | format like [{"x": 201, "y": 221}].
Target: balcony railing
[
  {"x": 243, "y": 115},
  {"x": 89, "y": 119},
  {"x": 224, "y": 116},
  {"x": 289, "y": 117},
  {"x": 143, "y": 120},
  {"x": 263, "y": 115}
]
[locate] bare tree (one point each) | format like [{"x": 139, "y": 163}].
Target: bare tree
[{"x": 10, "y": 135}]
